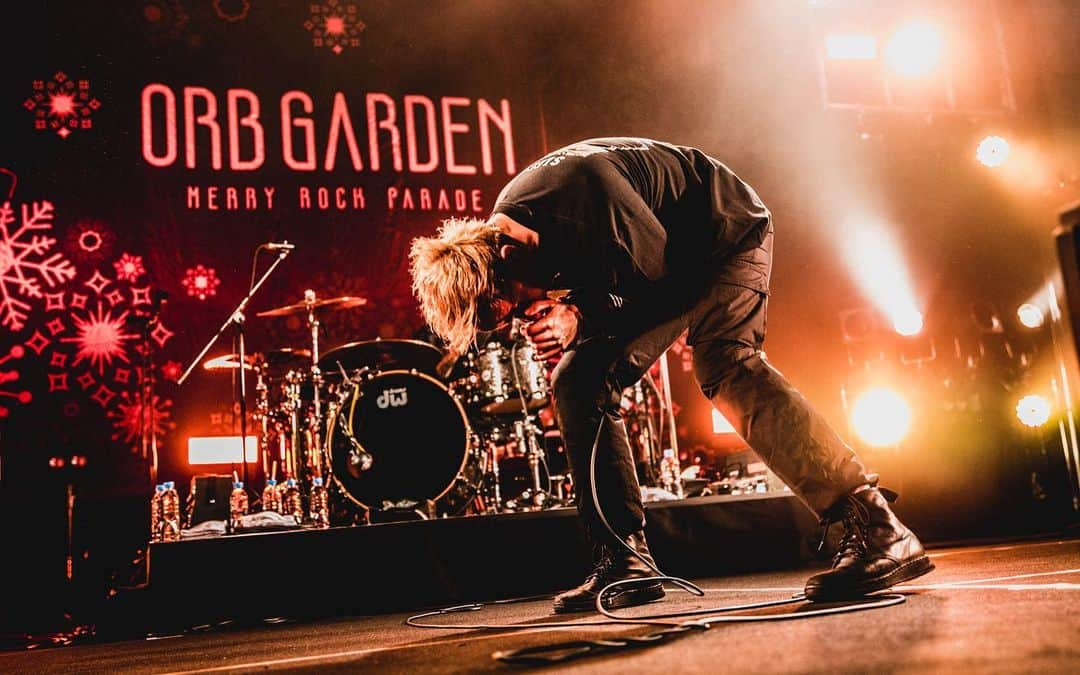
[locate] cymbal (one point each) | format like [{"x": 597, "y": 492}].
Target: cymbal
[
  {"x": 332, "y": 304},
  {"x": 230, "y": 362},
  {"x": 392, "y": 354}
]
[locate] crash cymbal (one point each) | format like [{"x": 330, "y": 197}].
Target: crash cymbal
[
  {"x": 287, "y": 357},
  {"x": 230, "y": 362},
  {"x": 391, "y": 354},
  {"x": 329, "y": 304}
]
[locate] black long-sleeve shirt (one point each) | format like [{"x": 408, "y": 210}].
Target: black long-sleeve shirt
[{"x": 619, "y": 215}]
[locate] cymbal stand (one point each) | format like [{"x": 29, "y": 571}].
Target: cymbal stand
[
  {"x": 236, "y": 320},
  {"x": 526, "y": 428},
  {"x": 262, "y": 407},
  {"x": 315, "y": 419}
]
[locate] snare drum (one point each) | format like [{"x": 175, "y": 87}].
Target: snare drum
[{"x": 501, "y": 376}]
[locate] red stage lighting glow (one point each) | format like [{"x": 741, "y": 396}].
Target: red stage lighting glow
[{"x": 221, "y": 450}]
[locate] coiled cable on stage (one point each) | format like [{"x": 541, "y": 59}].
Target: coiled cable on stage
[{"x": 560, "y": 652}]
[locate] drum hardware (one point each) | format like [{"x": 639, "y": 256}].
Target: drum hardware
[
  {"x": 388, "y": 354},
  {"x": 306, "y": 422},
  {"x": 235, "y": 321},
  {"x": 416, "y": 434},
  {"x": 506, "y": 386}
]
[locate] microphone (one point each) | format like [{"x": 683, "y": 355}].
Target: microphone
[{"x": 279, "y": 246}]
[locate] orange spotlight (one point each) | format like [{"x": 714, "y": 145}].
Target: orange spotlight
[
  {"x": 1033, "y": 410},
  {"x": 915, "y": 49},
  {"x": 992, "y": 151},
  {"x": 881, "y": 417},
  {"x": 878, "y": 266},
  {"x": 908, "y": 322},
  {"x": 1030, "y": 315}
]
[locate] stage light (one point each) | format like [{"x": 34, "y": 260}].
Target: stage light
[
  {"x": 881, "y": 417},
  {"x": 720, "y": 425},
  {"x": 908, "y": 322},
  {"x": 1033, "y": 410},
  {"x": 221, "y": 449},
  {"x": 1030, "y": 315},
  {"x": 877, "y": 265},
  {"x": 851, "y": 47},
  {"x": 915, "y": 49},
  {"x": 992, "y": 151}
]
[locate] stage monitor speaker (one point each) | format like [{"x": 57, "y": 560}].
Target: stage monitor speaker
[{"x": 209, "y": 498}]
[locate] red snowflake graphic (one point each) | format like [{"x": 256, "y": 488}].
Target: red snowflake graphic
[
  {"x": 8, "y": 376},
  {"x": 89, "y": 338},
  {"x": 129, "y": 267},
  {"x": 133, "y": 416},
  {"x": 232, "y": 11},
  {"x": 172, "y": 370},
  {"x": 25, "y": 262},
  {"x": 334, "y": 24},
  {"x": 62, "y": 104},
  {"x": 100, "y": 338},
  {"x": 89, "y": 241},
  {"x": 201, "y": 282}
]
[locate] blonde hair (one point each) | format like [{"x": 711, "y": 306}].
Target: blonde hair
[{"x": 450, "y": 272}]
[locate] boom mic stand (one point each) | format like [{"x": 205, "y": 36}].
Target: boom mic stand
[{"x": 236, "y": 320}]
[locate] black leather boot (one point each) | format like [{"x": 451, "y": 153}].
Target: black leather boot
[
  {"x": 612, "y": 562},
  {"x": 876, "y": 551}
]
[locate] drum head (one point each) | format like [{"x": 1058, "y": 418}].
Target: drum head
[{"x": 414, "y": 431}]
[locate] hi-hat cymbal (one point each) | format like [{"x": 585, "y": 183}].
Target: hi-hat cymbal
[
  {"x": 230, "y": 362},
  {"x": 383, "y": 354},
  {"x": 330, "y": 304}
]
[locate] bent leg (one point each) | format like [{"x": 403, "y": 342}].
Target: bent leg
[{"x": 789, "y": 435}]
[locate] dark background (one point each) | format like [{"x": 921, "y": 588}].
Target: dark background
[{"x": 740, "y": 80}]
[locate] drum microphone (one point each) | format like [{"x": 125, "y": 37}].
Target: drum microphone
[
  {"x": 279, "y": 246},
  {"x": 359, "y": 459}
]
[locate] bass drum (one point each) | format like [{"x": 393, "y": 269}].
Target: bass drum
[{"x": 397, "y": 438}]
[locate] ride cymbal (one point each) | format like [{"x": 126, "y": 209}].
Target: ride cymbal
[{"x": 329, "y": 304}]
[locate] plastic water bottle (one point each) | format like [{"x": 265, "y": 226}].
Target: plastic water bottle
[
  {"x": 319, "y": 503},
  {"x": 170, "y": 513},
  {"x": 238, "y": 501},
  {"x": 155, "y": 513},
  {"x": 271, "y": 498},
  {"x": 291, "y": 504},
  {"x": 670, "y": 479}
]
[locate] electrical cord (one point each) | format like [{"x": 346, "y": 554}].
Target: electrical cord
[{"x": 560, "y": 652}]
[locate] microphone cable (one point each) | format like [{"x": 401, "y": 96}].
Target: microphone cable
[{"x": 668, "y": 626}]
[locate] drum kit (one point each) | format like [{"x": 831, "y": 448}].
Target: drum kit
[{"x": 396, "y": 432}]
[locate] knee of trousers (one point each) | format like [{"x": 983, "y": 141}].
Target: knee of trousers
[
  {"x": 579, "y": 387},
  {"x": 721, "y": 367}
]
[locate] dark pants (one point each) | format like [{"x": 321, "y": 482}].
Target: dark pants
[{"x": 724, "y": 311}]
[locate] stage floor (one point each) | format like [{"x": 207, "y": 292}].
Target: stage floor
[{"x": 1008, "y": 607}]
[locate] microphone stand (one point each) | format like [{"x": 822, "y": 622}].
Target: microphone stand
[{"x": 236, "y": 319}]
